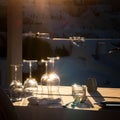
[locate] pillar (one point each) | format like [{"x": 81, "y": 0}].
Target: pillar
[{"x": 14, "y": 38}]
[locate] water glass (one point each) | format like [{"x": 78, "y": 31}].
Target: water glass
[{"x": 78, "y": 92}]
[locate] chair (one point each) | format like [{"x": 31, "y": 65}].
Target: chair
[{"x": 7, "y": 110}]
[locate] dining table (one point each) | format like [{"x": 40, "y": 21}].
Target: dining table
[{"x": 102, "y": 104}]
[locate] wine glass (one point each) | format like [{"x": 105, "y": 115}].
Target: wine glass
[
  {"x": 45, "y": 76},
  {"x": 30, "y": 84},
  {"x": 53, "y": 81},
  {"x": 50, "y": 79},
  {"x": 16, "y": 87}
]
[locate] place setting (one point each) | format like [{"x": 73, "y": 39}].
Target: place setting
[{"x": 80, "y": 100}]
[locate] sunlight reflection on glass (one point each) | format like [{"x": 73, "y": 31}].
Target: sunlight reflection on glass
[
  {"x": 16, "y": 87},
  {"x": 50, "y": 79},
  {"x": 30, "y": 84}
]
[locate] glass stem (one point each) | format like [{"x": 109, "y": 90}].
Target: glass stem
[{"x": 30, "y": 66}]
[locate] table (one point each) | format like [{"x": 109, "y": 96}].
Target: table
[{"x": 91, "y": 111}]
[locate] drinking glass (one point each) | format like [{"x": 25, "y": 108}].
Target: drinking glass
[
  {"x": 53, "y": 82},
  {"x": 78, "y": 93},
  {"x": 30, "y": 84},
  {"x": 92, "y": 84},
  {"x": 50, "y": 79},
  {"x": 16, "y": 87}
]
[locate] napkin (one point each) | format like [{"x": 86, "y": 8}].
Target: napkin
[{"x": 46, "y": 102}]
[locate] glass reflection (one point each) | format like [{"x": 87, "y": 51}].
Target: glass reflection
[
  {"x": 16, "y": 87},
  {"x": 30, "y": 84},
  {"x": 50, "y": 79}
]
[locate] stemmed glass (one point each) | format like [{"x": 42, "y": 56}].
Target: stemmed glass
[
  {"x": 30, "y": 84},
  {"x": 53, "y": 79},
  {"x": 16, "y": 87},
  {"x": 44, "y": 77},
  {"x": 50, "y": 79}
]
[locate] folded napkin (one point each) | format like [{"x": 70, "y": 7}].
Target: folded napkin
[{"x": 46, "y": 102}]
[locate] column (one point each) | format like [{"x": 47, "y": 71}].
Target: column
[{"x": 14, "y": 37}]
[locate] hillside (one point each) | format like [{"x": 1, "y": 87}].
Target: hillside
[
  {"x": 81, "y": 65},
  {"x": 64, "y": 18},
  {"x": 67, "y": 18}
]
